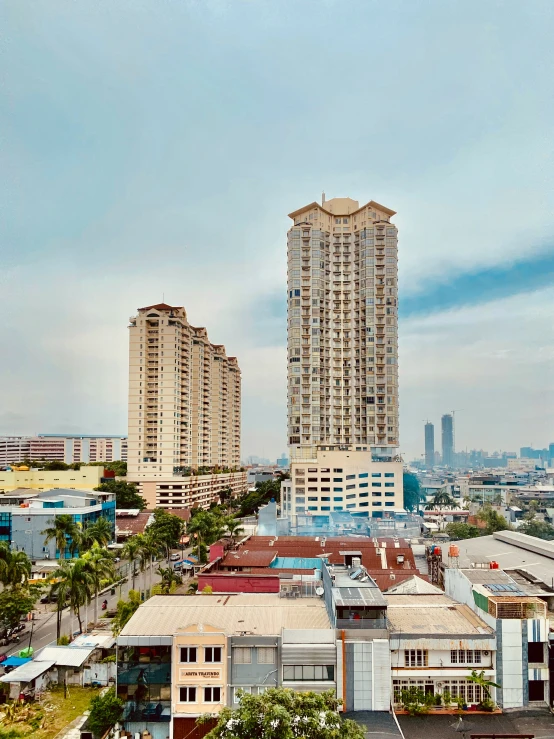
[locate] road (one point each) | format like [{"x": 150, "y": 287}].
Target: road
[{"x": 44, "y": 625}]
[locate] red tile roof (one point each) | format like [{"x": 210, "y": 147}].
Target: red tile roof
[
  {"x": 162, "y": 306},
  {"x": 246, "y": 558},
  {"x": 305, "y": 546},
  {"x": 131, "y": 525},
  {"x": 183, "y": 513}
]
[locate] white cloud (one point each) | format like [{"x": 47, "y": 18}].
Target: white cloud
[{"x": 493, "y": 362}]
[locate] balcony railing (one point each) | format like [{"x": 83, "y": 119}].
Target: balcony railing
[{"x": 361, "y": 623}]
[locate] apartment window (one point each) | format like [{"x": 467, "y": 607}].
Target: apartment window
[
  {"x": 337, "y": 479},
  {"x": 416, "y": 658},
  {"x": 389, "y": 474},
  {"x": 338, "y": 469},
  {"x": 535, "y": 652},
  {"x": 350, "y": 477},
  {"x": 266, "y": 655},
  {"x": 363, "y": 484},
  {"x": 309, "y": 672},
  {"x": 212, "y": 654},
  {"x": 242, "y": 655},
  {"x": 187, "y": 695},
  {"x": 188, "y": 654},
  {"x": 338, "y": 500},
  {"x": 212, "y": 695},
  {"x": 236, "y": 697},
  {"x": 465, "y": 656},
  {"x": 375, "y": 474},
  {"x": 389, "y": 484},
  {"x": 362, "y": 474}
]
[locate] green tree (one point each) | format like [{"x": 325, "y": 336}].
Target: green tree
[
  {"x": 105, "y": 712},
  {"x": 233, "y": 528},
  {"x": 132, "y": 552},
  {"x": 167, "y": 528},
  {"x": 125, "y": 610},
  {"x": 206, "y": 527},
  {"x": 478, "y": 678},
  {"x": 493, "y": 520},
  {"x": 100, "y": 531},
  {"x": 540, "y": 529},
  {"x": 15, "y": 567},
  {"x": 126, "y": 494},
  {"x": 283, "y": 714},
  {"x": 100, "y": 566},
  {"x": 169, "y": 576},
  {"x": 440, "y": 500},
  {"x": 118, "y": 466},
  {"x": 64, "y": 532},
  {"x": 14, "y": 604},
  {"x": 462, "y": 531},
  {"x": 412, "y": 491}
]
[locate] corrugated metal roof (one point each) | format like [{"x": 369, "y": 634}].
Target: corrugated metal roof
[
  {"x": 65, "y": 656},
  {"x": 432, "y": 615},
  {"x": 259, "y": 614},
  {"x": 27, "y": 672}
]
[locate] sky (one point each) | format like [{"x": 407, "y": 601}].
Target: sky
[{"x": 152, "y": 149}]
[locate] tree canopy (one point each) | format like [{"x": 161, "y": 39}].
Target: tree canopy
[
  {"x": 462, "y": 531},
  {"x": 14, "y": 604},
  {"x": 540, "y": 529},
  {"x": 280, "y": 713},
  {"x": 494, "y": 521},
  {"x": 166, "y": 528},
  {"x": 412, "y": 491},
  {"x": 126, "y": 494},
  {"x": 105, "y": 711}
]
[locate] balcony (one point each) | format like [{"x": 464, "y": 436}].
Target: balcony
[{"x": 361, "y": 623}]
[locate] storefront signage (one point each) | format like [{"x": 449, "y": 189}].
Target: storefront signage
[{"x": 199, "y": 674}]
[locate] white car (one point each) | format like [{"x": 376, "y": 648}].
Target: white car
[{"x": 175, "y": 557}]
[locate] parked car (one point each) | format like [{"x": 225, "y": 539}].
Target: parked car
[{"x": 175, "y": 557}]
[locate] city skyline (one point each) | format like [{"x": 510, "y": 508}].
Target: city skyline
[{"x": 109, "y": 162}]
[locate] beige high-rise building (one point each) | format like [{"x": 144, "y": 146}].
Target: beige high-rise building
[
  {"x": 184, "y": 410},
  {"x": 343, "y": 327}
]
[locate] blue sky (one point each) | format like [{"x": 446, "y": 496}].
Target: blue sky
[{"x": 154, "y": 147}]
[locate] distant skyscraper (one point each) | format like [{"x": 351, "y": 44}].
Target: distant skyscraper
[
  {"x": 429, "y": 444},
  {"x": 343, "y": 326},
  {"x": 447, "y": 424}
]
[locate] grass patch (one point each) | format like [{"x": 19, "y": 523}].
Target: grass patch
[{"x": 46, "y": 719}]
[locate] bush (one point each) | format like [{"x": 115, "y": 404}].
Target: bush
[{"x": 105, "y": 711}]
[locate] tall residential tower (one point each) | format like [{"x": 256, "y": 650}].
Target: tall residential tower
[
  {"x": 343, "y": 325},
  {"x": 184, "y": 410},
  {"x": 342, "y": 361}
]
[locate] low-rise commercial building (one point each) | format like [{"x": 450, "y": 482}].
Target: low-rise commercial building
[
  {"x": 22, "y": 527},
  {"x": 435, "y": 643},
  {"x": 86, "y": 478},
  {"x": 188, "y": 491},
  {"x": 184, "y": 656},
  {"x": 331, "y": 479}
]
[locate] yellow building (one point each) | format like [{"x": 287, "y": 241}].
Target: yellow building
[{"x": 87, "y": 478}]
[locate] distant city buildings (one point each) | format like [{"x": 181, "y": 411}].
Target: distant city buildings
[
  {"x": 68, "y": 448},
  {"x": 184, "y": 411},
  {"x": 86, "y": 478},
  {"x": 429, "y": 444},
  {"x": 283, "y": 460},
  {"x": 447, "y": 436}
]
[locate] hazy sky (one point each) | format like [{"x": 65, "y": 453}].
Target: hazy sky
[{"x": 154, "y": 147}]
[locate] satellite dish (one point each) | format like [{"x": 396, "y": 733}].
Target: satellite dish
[{"x": 319, "y": 591}]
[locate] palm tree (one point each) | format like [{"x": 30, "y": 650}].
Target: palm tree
[
  {"x": 101, "y": 531},
  {"x": 15, "y": 567},
  {"x": 234, "y": 528},
  {"x": 100, "y": 567},
  {"x": 478, "y": 678},
  {"x": 60, "y": 589},
  {"x": 64, "y": 531},
  {"x": 153, "y": 547},
  {"x": 169, "y": 577},
  {"x": 131, "y": 553},
  {"x": 143, "y": 553}
]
